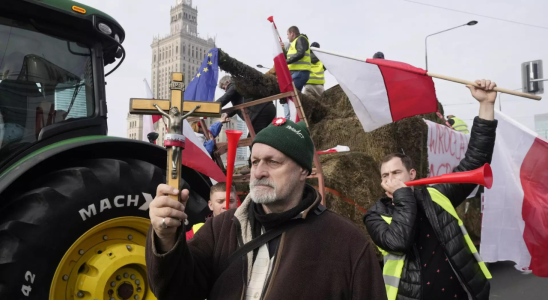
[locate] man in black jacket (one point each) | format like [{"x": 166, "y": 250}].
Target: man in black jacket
[
  {"x": 261, "y": 115},
  {"x": 427, "y": 252}
]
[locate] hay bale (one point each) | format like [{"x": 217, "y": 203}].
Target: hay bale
[
  {"x": 335, "y": 98},
  {"x": 353, "y": 185},
  {"x": 409, "y": 134},
  {"x": 355, "y": 175},
  {"x": 315, "y": 110},
  {"x": 249, "y": 82}
]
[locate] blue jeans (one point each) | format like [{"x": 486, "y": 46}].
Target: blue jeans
[{"x": 299, "y": 78}]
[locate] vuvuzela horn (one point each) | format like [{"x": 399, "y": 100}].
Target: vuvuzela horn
[
  {"x": 233, "y": 136},
  {"x": 482, "y": 176}
]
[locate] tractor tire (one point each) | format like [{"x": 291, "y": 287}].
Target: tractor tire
[{"x": 68, "y": 233}]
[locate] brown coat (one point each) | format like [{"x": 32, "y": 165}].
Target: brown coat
[{"x": 325, "y": 257}]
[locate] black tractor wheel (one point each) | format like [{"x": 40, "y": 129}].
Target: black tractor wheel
[{"x": 79, "y": 232}]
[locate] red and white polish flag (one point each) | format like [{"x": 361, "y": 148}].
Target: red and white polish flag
[
  {"x": 515, "y": 215},
  {"x": 195, "y": 156},
  {"x": 285, "y": 81},
  {"x": 381, "y": 91}
]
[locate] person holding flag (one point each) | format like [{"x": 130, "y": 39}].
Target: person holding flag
[
  {"x": 427, "y": 251},
  {"x": 298, "y": 61},
  {"x": 284, "y": 75}
]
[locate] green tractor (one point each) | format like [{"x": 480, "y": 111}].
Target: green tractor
[{"x": 73, "y": 201}]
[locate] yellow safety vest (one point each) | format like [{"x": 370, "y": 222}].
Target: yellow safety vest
[
  {"x": 303, "y": 64},
  {"x": 317, "y": 74},
  {"x": 393, "y": 262},
  {"x": 460, "y": 125},
  {"x": 197, "y": 226}
]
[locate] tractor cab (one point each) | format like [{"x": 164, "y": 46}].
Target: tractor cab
[{"x": 52, "y": 56}]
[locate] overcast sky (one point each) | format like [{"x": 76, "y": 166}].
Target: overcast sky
[{"x": 492, "y": 49}]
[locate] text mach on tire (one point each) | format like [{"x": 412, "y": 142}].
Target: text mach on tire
[{"x": 79, "y": 232}]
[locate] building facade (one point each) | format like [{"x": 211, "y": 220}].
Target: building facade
[{"x": 134, "y": 126}]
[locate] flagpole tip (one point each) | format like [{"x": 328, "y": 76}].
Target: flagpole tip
[{"x": 271, "y": 19}]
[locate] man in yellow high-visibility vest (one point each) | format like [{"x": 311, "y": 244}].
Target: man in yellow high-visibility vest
[
  {"x": 298, "y": 60},
  {"x": 457, "y": 124},
  {"x": 427, "y": 251},
  {"x": 314, "y": 85}
]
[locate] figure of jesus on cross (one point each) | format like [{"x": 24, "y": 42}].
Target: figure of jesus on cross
[{"x": 175, "y": 110}]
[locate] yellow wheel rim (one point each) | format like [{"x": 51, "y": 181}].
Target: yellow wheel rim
[{"x": 107, "y": 262}]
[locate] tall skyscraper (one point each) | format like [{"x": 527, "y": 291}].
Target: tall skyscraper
[{"x": 180, "y": 51}]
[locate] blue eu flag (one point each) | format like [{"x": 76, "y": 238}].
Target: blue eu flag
[{"x": 202, "y": 85}]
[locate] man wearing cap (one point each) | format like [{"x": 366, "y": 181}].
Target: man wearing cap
[{"x": 281, "y": 243}]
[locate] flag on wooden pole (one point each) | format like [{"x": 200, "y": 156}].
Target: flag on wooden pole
[
  {"x": 282, "y": 71},
  {"x": 381, "y": 91}
]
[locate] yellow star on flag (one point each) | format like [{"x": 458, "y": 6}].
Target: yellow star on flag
[
  {"x": 209, "y": 54},
  {"x": 205, "y": 70},
  {"x": 198, "y": 75},
  {"x": 209, "y": 63}
]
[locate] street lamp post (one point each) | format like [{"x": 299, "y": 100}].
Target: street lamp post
[{"x": 471, "y": 23}]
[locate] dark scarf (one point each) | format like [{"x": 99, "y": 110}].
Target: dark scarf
[{"x": 258, "y": 216}]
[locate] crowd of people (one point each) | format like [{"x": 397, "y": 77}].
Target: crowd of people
[{"x": 282, "y": 243}]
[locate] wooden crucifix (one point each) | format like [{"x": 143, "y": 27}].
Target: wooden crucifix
[{"x": 175, "y": 110}]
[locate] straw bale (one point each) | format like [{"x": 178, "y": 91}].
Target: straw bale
[{"x": 249, "y": 82}]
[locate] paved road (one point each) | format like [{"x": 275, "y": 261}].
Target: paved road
[{"x": 510, "y": 284}]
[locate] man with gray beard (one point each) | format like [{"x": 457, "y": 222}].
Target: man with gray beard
[{"x": 281, "y": 243}]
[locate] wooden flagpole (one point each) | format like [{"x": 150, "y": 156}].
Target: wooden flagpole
[
  {"x": 498, "y": 89},
  {"x": 448, "y": 78},
  {"x": 316, "y": 158}
]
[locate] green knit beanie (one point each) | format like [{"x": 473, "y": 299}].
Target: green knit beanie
[{"x": 290, "y": 138}]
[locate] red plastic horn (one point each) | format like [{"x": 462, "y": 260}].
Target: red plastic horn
[
  {"x": 482, "y": 176},
  {"x": 233, "y": 136}
]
